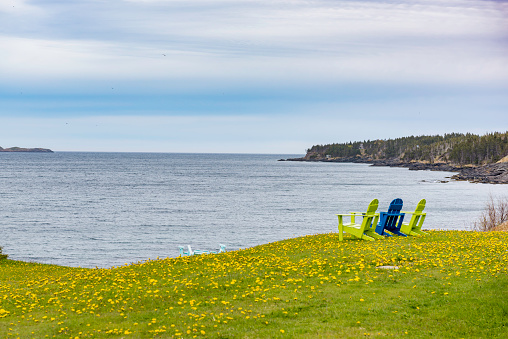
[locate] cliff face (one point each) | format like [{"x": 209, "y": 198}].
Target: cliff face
[{"x": 19, "y": 149}]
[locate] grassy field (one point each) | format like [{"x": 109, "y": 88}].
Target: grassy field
[{"x": 450, "y": 284}]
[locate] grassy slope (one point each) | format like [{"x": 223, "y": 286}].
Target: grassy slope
[{"x": 450, "y": 284}]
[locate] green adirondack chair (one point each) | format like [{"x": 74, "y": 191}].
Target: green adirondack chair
[
  {"x": 363, "y": 230},
  {"x": 414, "y": 226}
]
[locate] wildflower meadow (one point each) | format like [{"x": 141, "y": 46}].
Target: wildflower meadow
[{"x": 447, "y": 284}]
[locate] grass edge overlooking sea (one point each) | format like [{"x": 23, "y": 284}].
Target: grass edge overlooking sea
[{"x": 448, "y": 284}]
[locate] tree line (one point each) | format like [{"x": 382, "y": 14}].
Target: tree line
[{"x": 456, "y": 148}]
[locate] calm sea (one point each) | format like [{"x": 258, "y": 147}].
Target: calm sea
[{"x": 108, "y": 209}]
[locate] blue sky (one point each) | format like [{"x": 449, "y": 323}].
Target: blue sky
[{"x": 247, "y": 76}]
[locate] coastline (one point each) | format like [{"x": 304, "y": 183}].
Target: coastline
[{"x": 496, "y": 173}]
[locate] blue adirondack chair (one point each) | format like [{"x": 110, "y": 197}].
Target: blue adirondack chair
[{"x": 391, "y": 221}]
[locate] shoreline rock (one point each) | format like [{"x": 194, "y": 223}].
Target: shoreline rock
[{"x": 487, "y": 174}]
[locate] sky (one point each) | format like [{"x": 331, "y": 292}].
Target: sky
[{"x": 247, "y": 76}]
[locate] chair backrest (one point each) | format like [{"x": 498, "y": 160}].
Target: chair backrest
[
  {"x": 396, "y": 206},
  {"x": 420, "y": 206},
  {"x": 191, "y": 252},
  {"x": 369, "y": 215},
  {"x": 372, "y": 207},
  {"x": 222, "y": 248},
  {"x": 418, "y": 217}
]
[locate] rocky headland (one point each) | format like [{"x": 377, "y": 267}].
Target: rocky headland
[
  {"x": 479, "y": 159},
  {"x": 20, "y": 149}
]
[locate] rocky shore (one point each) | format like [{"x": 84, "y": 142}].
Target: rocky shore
[
  {"x": 490, "y": 174},
  {"x": 19, "y": 149}
]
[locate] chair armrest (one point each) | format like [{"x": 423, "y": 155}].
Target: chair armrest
[
  {"x": 363, "y": 213},
  {"x": 354, "y": 214},
  {"x": 413, "y": 212},
  {"x": 201, "y": 252}
]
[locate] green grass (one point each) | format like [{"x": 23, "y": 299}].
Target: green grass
[{"x": 450, "y": 284}]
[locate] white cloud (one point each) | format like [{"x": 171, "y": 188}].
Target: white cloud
[{"x": 251, "y": 40}]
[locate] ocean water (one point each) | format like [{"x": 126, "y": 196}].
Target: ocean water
[{"x": 108, "y": 209}]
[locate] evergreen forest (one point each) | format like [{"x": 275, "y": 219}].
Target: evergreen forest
[{"x": 453, "y": 148}]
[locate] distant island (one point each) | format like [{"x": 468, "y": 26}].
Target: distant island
[
  {"x": 477, "y": 158},
  {"x": 20, "y": 149}
]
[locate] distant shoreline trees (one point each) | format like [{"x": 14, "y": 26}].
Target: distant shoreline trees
[{"x": 454, "y": 148}]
